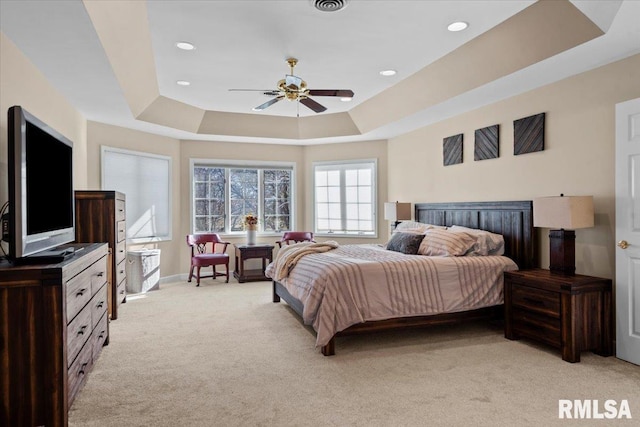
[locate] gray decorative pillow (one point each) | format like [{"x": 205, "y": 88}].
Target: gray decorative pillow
[{"x": 407, "y": 243}]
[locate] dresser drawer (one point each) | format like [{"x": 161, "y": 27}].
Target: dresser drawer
[
  {"x": 98, "y": 305},
  {"x": 78, "y": 295},
  {"x": 121, "y": 292},
  {"x": 121, "y": 251},
  {"x": 80, "y": 288},
  {"x": 120, "y": 213},
  {"x": 121, "y": 272},
  {"x": 78, "y": 332},
  {"x": 99, "y": 335},
  {"x": 77, "y": 373},
  {"x": 536, "y": 300},
  {"x": 121, "y": 231}
]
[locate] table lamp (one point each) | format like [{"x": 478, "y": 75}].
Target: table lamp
[
  {"x": 396, "y": 212},
  {"x": 563, "y": 214}
]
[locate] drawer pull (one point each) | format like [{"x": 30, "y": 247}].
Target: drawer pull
[
  {"x": 100, "y": 274},
  {"x": 533, "y": 301},
  {"x": 100, "y": 304},
  {"x": 82, "y": 371},
  {"x": 81, "y": 292},
  {"x": 82, "y": 329},
  {"x": 122, "y": 292},
  {"x": 101, "y": 335}
]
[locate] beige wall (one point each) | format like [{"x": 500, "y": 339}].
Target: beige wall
[
  {"x": 578, "y": 158},
  {"x": 21, "y": 83},
  {"x": 112, "y": 136}
]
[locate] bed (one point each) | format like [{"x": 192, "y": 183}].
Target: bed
[{"x": 355, "y": 278}]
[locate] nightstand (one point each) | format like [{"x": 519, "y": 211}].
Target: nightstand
[
  {"x": 572, "y": 313},
  {"x": 245, "y": 252}
]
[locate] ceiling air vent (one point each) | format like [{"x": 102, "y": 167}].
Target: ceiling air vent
[{"x": 329, "y": 5}]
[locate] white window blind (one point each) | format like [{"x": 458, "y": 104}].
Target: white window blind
[{"x": 145, "y": 179}]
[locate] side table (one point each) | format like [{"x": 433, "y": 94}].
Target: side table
[
  {"x": 245, "y": 252},
  {"x": 572, "y": 313}
]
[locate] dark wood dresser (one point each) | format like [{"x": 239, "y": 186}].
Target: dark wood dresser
[
  {"x": 100, "y": 217},
  {"x": 572, "y": 313},
  {"x": 53, "y": 325}
]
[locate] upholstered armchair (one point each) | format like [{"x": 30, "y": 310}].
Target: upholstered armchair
[
  {"x": 207, "y": 250},
  {"x": 295, "y": 237}
]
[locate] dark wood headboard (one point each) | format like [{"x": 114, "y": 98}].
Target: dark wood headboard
[{"x": 514, "y": 220}]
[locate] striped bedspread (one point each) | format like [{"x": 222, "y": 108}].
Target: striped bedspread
[{"x": 357, "y": 283}]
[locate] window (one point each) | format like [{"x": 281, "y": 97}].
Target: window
[
  {"x": 345, "y": 198},
  {"x": 145, "y": 179},
  {"x": 224, "y": 192}
]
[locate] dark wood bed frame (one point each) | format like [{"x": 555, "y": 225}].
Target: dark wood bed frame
[{"x": 513, "y": 219}]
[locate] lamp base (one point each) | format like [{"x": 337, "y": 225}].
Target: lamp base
[{"x": 562, "y": 252}]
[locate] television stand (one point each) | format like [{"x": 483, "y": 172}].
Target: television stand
[{"x": 53, "y": 256}]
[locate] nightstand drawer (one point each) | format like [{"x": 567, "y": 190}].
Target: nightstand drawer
[
  {"x": 536, "y": 326},
  {"x": 537, "y": 300}
]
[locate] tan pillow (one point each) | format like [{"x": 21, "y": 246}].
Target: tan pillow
[
  {"x": 487, "y": 243},
  {"x": 441, "y": 242}
]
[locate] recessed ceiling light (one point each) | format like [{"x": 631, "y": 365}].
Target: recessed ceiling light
[
  {"x": 346, "y": 99},
  {"x": 185, "y": 46},
  {"x": 388, "y": 73},
  {"x": 183, "y": 83},
  {"x": 457, "y": 26}
]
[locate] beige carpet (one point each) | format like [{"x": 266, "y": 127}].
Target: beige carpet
[{"x": 225, "y": 355}]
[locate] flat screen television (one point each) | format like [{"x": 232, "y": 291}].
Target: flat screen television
[{"x": 41, "y": 198}]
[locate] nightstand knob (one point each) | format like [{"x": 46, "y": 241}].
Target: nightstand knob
[{"x": 623, "y": 244}]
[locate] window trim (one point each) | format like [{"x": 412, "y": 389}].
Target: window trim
[
  {"x": 374, "y": 201},
  {"x": 244, "y": 164},
  {"x": 166, "y": 237}
]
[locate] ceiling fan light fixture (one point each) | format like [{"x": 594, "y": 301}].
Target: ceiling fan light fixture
[
  {"x": 346, "y": 99},
  {"x": 183, "y": 83},
  {"x": 388, "y": 73},
  {"x": 457, "y": 26},
  {"x": 329, "y": 5},
  {"x": 185, "y": 46}
]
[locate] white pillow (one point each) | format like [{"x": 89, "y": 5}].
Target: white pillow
[
  {"x": 487, "y": 243},
  {"x": 412, "y": 226},
  {"x": 442, "y": 242},
  {"x": 415, "y": 227}
]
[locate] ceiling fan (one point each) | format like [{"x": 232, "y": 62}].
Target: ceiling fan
[{"x": 294, "y": 88}]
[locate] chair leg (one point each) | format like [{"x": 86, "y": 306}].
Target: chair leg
[
  {"x": 190, "y": 274},
  {"x": 198, "y": 276},
  {"x": 227, "y": 266}
]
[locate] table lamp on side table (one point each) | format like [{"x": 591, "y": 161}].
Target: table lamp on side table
[
  {"x": 396, "y": 212},
  {"x": 563, "y": 214}
]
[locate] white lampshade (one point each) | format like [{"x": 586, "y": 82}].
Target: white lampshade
[
  {"x": 563, "y": 212},
  {"x": 396, "y": 211}
]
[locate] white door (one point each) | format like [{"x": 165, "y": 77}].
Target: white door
[{"x": 627, "y": 286}]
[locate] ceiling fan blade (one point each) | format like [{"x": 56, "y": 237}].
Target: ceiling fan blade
[
  {"x": 310, "y": 103},
  {"x": 267, "y": 104},
  {"x": 343, "y": 93}
]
